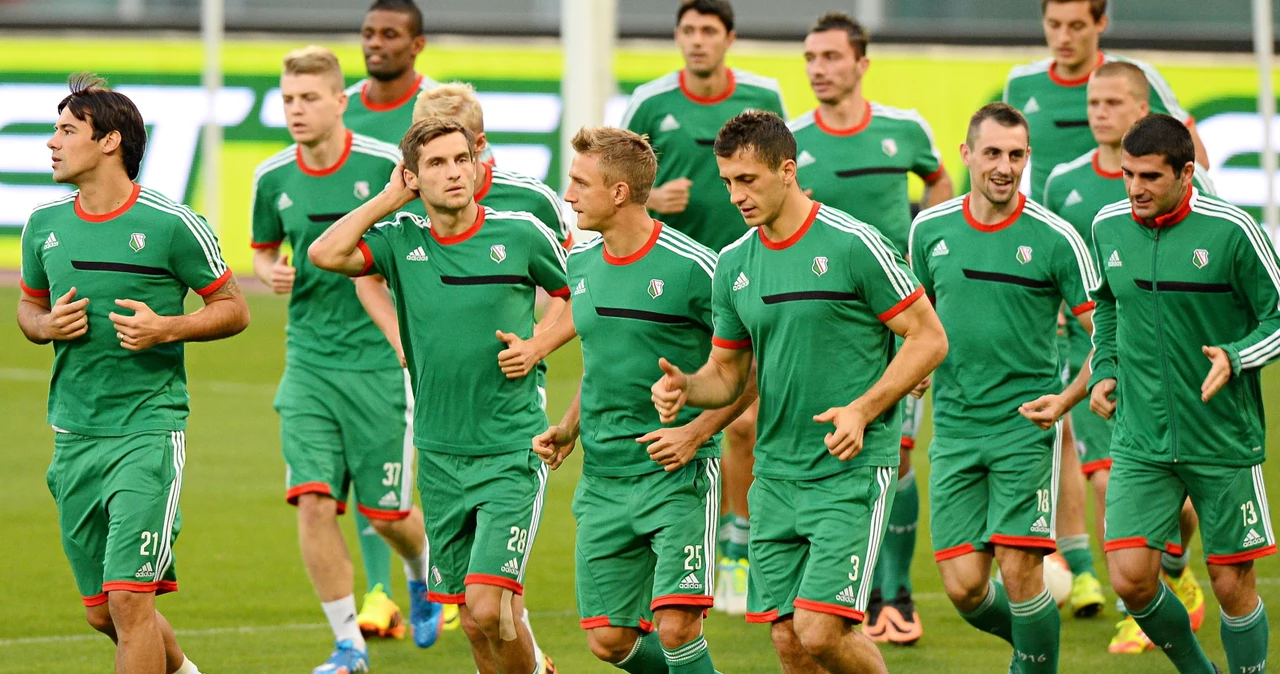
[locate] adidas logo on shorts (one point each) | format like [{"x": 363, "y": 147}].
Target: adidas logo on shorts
[
  {"x": 847, "y": 596},
  {"x": 391, "y": 499},
  {"x": 512, "y": 567},
  {"x": 1041, "y": 526},
  {"x": 1252, "y": 538},
  {"x": 147, "y": 571},
  {"x": 691, "y": 582},
  {"x": 741, "y": 282},
  {"x": 417, "y": 255}
]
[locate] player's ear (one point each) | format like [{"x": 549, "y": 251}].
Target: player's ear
[
  {"x": 1102, "y": 23},
  {"x": 419, "y": 43},
  {"x": 621, "y": 194},
  {"x": 411, "y": 179},
  {"x": 733, "y": 35},
  {"x": 343, "y": 99},
  {"x": 110, "y": 142},
  {"x": 1188, "y": 172},
  {"x": 788, "y": 171},
  {"x": 481, "y": 142}
]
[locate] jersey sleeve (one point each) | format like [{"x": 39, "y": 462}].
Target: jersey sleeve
[
  {"x": 1103, "y": 362},
  {"x": 926, "y": 161},
  {"x": 918, "y": 261},
  {"x": 547, "y": 259},
  {"x": 377, "y": 249},
  {"x": 1073, "y": 269},
  {"x": 700, "y": 289},
  {"x": 33, "y": 279},
  {"x": 551, "y": 214},
  {"x": 1256, "y": 272},
  {"x": 634, "y": 118},
  {"x": 266, "y": 229},
  {"x": 194, "y": 254},
  {"x": 1050, "y": 198},
  {"x": 880, "y": 275},
  {"x": 728, "y": 332}
]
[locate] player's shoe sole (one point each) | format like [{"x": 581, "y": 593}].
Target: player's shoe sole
[
  {"x": 380, "y": 616},
  {"x": 1189, "y": 593},
  {"x": 1087, "y": 599},
  {"x": 874, "y": 626},
  {"x": 902, "y": 623},
  {"x": 1129, "y": 638},
  {"x": 345, "y": 659}
]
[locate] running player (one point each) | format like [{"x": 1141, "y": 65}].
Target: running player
[
  {"x": 1076, "y": 191},
  {"x": 998, "y": 267},
  {"x": 817, "y": 296},
  {"x": 342, "y": 400},
  {"x": 855, "y": 156},
  {"x": 464, "y": 282},
  {"x": 1187, "y": 278},
  {"x": 119, "y": 259},
  {"x": 681, "y": 113}
]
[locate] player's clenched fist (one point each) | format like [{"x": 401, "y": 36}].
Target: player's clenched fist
[
  {"x": 846, "y": 441},
  {"x": 553, "y": 445},
  {"x": 1102, "y": 398},
  {"x": 671, "y": 196},
  {"x": 282, "y": 275},
  {"x": 520, "y": 356},
  {"x": 670, "y": 392},
  {"x": 67, "y": 319},
  {"x": 143, "y": 330}
]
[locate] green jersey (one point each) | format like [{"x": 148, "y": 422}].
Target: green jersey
[
  {"x": 151, "y": 250},
  {"x": 386, "y": 122},
  {"x": 629, "y": 312},
  {"x": 863, "y": 170},
  {"x": 452, "y": 294},
  {"x": 997, "y": 289},
  {"x": 682, "y": 128},
  {"x": 1057, "y": 112},
  {"x": 813, "y": 309},
  {"x": 328, "y": 327}
]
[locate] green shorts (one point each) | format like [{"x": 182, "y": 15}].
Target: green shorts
[
  {"x": 1144, "y": 499},
  {"x": 341, "y": 428},
  {"x": 1091, "y": 433},
  {"x": 997, "y": 489},
  {"x": 814, "y": 543},
  {"x": 482, "y": 515},
  {"x": 645, "y": 542},
  {"x": 118, "y": 509}
]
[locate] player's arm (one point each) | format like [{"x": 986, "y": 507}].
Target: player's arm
[
  {"x": 266, "y": 234},
  {"x": 375, "y": 297},
  {"x": 64, "y": 320},
  {"x": 719, "y": 382},
  {"x": 1047, "y": 409},
  {"x": 672, "y": 448},
  {"x": 521, "y": 355},
  {"x": 338, "y": 249},
  {"x": 938, "y": 191},
  {"x": 557, "y": 442},
  {"x": 1255, "y": 274},
  {"x": 225, "y": 313},
  {"x": 273, "y": 269},
  {"x": 1102, "y": 363},
  {"x": 927, "y": 164}
]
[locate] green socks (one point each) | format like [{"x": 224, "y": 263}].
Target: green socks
[
  {"x": 1036, "y": 632},
  {"x": 893, "y": 570},
  {"x": 1166, "y": 624},
  {"x": 376, "y": 555},
  {"x": 992, "y": 615},
  {"x": 739, "y": 533},
  {"x": 1174, "y": 565},
  {"x": 1245, "y": 640},
  {"x": 646, "y": 657},
  {"x": 691, "y": 658},
  {"x": 1075, "y": 549}
]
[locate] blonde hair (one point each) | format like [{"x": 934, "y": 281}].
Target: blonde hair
[
  {"x": 314, "y": 60},
  {"x": 1139, "y": 86},
  {"x": 455, "y": 100},
  {"x": 623, "y": 156}
]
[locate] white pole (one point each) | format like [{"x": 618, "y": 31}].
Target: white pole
[
  {"x": 211, "y": 30},
  {"x": 588, "y": 31},
  {"x": 1263, "y": 47},
  {"x": 870, "y": 13}
]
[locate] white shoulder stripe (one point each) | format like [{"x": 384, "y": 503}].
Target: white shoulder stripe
[
  {"x": 1084, "y": 259},
  {"x": 198, "y": 230},
  {"x": 746, "y": 236},
  {"x": 687, "y": 241},
  {"x": 871, "y": 239},
  {"x": 666, "y": 243},
  {"x": 1267, "y": 349},
  {"x": 517, "y": 180},
  {"x": 70, "y": 196},
  {"x": 586, "y": 245},
  {"x": 646, "y": 91},
  {"x": 545, "y": 231},
  {"x": 803, "y": 121},
  {"x": 945, "y": 208}
]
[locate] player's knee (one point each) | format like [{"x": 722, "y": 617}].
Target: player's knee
[
  {"x": 741, "y": 432},
  {"x": 487, "y": 615},
  {"x": 679, "y": 629},
  {"x": 469, "y": 626},
  {"x": 785, "y": 641},
  {"x": 819, "y": 634},
  {"x": 99, "y": 618},
  {"x": 611, "y": 644},
  {"x": 1134, "y": 588},
  {"x": 316, "y": 508},
  {"x": 1234, "y": 586},
  {"x": 964, "y": 592},
  {"x": 131, "y": 610}
]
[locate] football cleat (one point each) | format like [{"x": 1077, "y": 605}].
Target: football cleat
[
  {"x": 735, "y": 597},
  {"x": 1086, "y": 596},
  {"x": 1190, "y": 594},
  {"x": 379, "y": 616},
  {"x": 1129, "y": 638},
  {"x": 345, "y": 659},
  {"x": 452, "y": 618},
  {"x": 902, "y": 623},
  {"x": 548, "y": 667},
  {"x": 425, "y": 616},
  {"x": 874, "y": 625}
]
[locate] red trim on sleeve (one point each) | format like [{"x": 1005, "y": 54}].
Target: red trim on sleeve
[
  {"x": 684, "y": 89},
  {"x": 907, "y": 443},
  {"x": 1087, "y": 306},
  {"x": 934, "y": 177},
  {"x": 790, "y": 240},
  {"x": 830, "y": 609},
  {"x": 497, "y": 581},
  {"x": 901, "y": 306},
  {"x": 93, "y": 217},
  {"x": 459, "y": 599},
  {"x": 766, "y": 617},
  {"x": 265, "y": 245},
  {"x": 1079, "y": 81},
  {"x": 562, "y": 293},
  {"x": 953, "y": 552},
  {"x": 320, "y": 173},
  {"x": 644, "y": 250},
  {"x": 1024, "y": 541},
  {"x": 856, "y": 128},
  {"x": 735, "y": 344},
  {"x": 1242, "y": 556},
  {"x": 368, "y": 258},
  {"x": 217, "y": 283},
  {"x": 158, "y": 587},
  {"x": 389, "y": 515},
  {"x": 32, "y": 291},
  {"x": 463, "y": 236},
  {"x": 973, "y": 222},
  {"x": 96, "y": 600},
  {"x": 702, "y": 600},
  {"x": 1122, "y": 543},
  {"x": 384, "y": 107},
  {"x": 1092, "y": 467}
]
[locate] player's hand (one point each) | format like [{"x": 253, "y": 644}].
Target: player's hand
[
  {"x": 809, "y": 193},
  {"x": 846, "y": 441},
  {"x": 670, "y": 392},
  {"x": 282, "y": 275},
  {"x": 553, "y": 445},
  {"x": 1219, "y": 372},
  {"x": 918, "y": 391},
  {"x": 143, "y": 330},
  {"x": 520, "y": 356},
  {"x": 1045, "y": 410},
  {"x": 672, "y": 448},
  {"x": 397, "y": 187},
  {"x": 1102, "y": 398},
  {"x": 67, "y": 318},
  {"x": 671, "y": 196}
]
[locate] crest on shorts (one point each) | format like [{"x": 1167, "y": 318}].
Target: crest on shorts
[
  {"x": 137, "y": 241},
  {"x": 498, "y": 253},
  {"x": 890, "y": 146},
  {"x": 1024, "y": 254},
  {"x": 655, "y": 287},
  {"x": 1200, "y": 258},
  {"x": 362, "y": 189},
  {"x": 819, "y": 265}
]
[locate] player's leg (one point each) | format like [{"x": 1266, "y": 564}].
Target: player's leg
[
  {"x": 176, "y": 662},
  {"x": 898, "y": 622},
  {"x": 778, "y": 554},
  {"x": 737, "y": 463},
  {"x": 377, "y": 608},
  {"x": 139, "y": 644},
  {"x": 1175, "y": 572},
  {"x": 1089, "y": 453},
  {"x": 791, "y": 654}
]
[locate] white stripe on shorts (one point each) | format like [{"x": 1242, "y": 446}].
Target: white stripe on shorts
[{"x": 885, "y": 478}]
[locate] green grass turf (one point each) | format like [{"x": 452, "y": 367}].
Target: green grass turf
[{"x": 245, "y": 604}]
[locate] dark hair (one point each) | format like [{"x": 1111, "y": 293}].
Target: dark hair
[
  {"x": 1162, "y": 135},
  {"x": 1001, "y": 113},
  {"x": 763, "y": 132},
  {"x": 403, "y": 7},
  {"x": 427, "y": 130},
  {"x": 1098, "y": 8},
  {"x": 91, "y": 101},
  {"x": 719, "y": 8},
  {"x": 859, "y": 38}
]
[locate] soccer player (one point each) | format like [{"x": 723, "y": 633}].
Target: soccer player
[
  {"x": 646, "y": 519},
  {"x": 1186, "y": 279},
  {"x": 1076, "y": 191},
  {"x": 342, "y": 400},
  {"x": 104, "y": 273},
  {"x": 463, "y": 281},
  {"x": 998, "y": 267},
  {"x": 681, "y": 113},
  {"x": 817, "y": 297},
  {"x": 855, "y": 156}
]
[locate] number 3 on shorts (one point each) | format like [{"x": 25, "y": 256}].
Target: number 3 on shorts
[{"x": 855, "y": 561}]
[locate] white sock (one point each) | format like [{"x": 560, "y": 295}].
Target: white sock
[
  {"x": 188, "y": 667},
  {"x": 416, "y": 569},
  {"x": 342, "y": 619},
  {"x": 537, "y": 652}
]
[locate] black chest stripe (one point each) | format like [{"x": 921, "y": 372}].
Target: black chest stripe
[
  {"x": 641, "y": 315},
  {"x": 325, "y": 217},
  {"x": 1185, "y": 286},
  {"x": 122, "y": 267},
  {"x": 870, "y": 170},
  {"x": 1070, "y": 123},
  {"x": 495, "y": 280},
  {"x": 705, "y": 142},
  {"x": 829, "y": 295},
  {"x": 996, "y": 277}
]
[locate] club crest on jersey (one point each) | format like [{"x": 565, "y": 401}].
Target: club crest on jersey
[
  {"x": 137, "y": 241},
  {"x": 889, "y": 146},
  {"x": 498, "y": 253},
  {"x": 819, "y": 265},
  {"x": 1024, "y": 254},
  {"x": 1200, "y": 258},
  {"x": 655, "y": 287},
  {"x": 362, "y": 189}
]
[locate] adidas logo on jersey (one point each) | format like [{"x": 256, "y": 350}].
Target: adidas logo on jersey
[
  {"x": 847, "y": 596},
  {"x": 1252, "y": 538},
  {"x": 690, "y": 582},
  {"x": 1114, "y": 260},
  {"x": 1073, "y": 199},
  {"x": 1040, "y": 526},
  {"x": 417, "y": 255},
  {"x": 1031, "y": 106},
  {"x": 581, "y": 287},
  {"x": 50, "y": 242},
  {"x": 512, "y": 567},
  {"x": 147, "y": 571},
  {"x": 940, "y": 249},
  {"x": 668, "y": 123},
  {"x": 805, "y": 159},
  {"x": 741, "y": 282},
  {"x": 390, "y": 499},
  {"x": 284, "y": 202}
]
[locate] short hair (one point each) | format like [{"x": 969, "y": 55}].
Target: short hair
[
  {"x": 314, "y": 60},
  {"x": 623, "y": 156},
  {"x": 1163, "y": 135},
  {"x": 426, "y": 130},
  {"x": 91, "y": 101},
  {"x": 1133, "y": 75},
  {"x": 404, "y": 7},
  {"x": 455, "y": 100},
  {"x": 1098, "y": 8},
  {"x": 764, "y": 133},
  {"x": 718, "y": 8},
  {"x": 859, "y": 38},
  {"x": 1001, "y": 113}
]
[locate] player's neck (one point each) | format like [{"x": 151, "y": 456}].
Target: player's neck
[
  {"x": 712, "y": 85},
  {"x": 452, "y": 223},
  {"x": 628, "y": 231},
  {"x": 1109, "y": 157},
  {"x": 988, "y": 213},
  {"x": 1078, "y": 70},
  {"x": 326, "y": 151},
  {"x": 381, "y": 92},
  {"x": 795, "y": 212},
  {"x": 846, "y": 113},
  {"x": 104, "y": 190}
]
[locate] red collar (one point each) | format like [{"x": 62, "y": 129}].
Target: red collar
[
  {"x": 94, "y": 217},
  {"x": 790, "y": 240},
  {"x": 684, "y": 89},
  {"x": 383, "y": 107},
  {"x": 973, "y": 222},
  {"x": 1079, "y": 81},
  {"x": 320, "y": 173},
  {"x": 1097, "y": 168},
  {"x": 459, "y": 238},
  {"x": 486, "y": 183},
  {"x": 644, "y": 250},
  {"x": 1171, "y": 218},
  {"x": 866, "y": 121}
]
